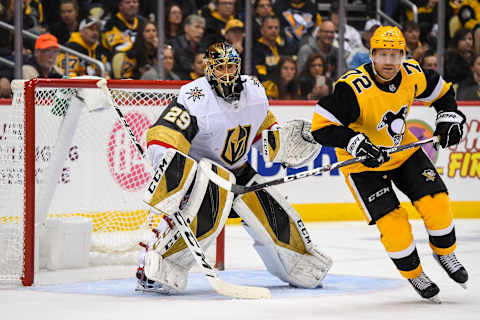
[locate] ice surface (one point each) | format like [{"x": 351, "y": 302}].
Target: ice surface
[{"x": 363, "y": 284}]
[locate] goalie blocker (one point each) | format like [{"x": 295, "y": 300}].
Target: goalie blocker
[{"x": 281, "y": 238}]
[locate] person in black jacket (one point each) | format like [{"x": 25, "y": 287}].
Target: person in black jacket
[
  {"x": 458, "y": 58},
  {"x": 188, "y": 44},
  {"x": 68, "y": 24}
]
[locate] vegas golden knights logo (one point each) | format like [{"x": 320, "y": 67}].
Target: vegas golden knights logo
[{"x": 236, "y": 144}]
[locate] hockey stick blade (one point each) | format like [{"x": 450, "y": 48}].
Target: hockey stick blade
[
  {"x": 239, "y": 189},
  {"x": 220, "y": 286}
]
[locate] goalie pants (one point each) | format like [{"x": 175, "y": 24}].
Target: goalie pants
[{"x": 418, "y": 179}]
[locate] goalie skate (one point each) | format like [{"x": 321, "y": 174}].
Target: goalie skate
[
  {"x": 453, "y": 267},
  {"x": 146, "y": 285},
  {"x": 425, "y": 287}
]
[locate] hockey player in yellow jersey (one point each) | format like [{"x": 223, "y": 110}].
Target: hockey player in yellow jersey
[
  {"x": 216, "y": 119},
  {"x": 367, "y": 113}
]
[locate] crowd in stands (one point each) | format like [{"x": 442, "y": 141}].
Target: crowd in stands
[{"x": 295, "y": 44}]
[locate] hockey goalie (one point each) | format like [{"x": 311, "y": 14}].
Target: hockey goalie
[{"x": 217, "y": 119}]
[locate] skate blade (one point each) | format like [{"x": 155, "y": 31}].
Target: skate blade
[
  {"x": 435, "y": 300},
  {"x": 151, "y": 290}
]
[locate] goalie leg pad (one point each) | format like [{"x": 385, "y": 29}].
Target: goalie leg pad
[
  {"x": 171, "y": 181},
  {"x": 281, "y": 238},
  {"x": 168, "y": 260}
]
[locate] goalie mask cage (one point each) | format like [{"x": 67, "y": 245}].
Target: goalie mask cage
[{"x": 62, "y": 161}]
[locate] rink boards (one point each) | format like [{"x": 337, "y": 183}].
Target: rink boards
[{"x": 323, "y": 197}]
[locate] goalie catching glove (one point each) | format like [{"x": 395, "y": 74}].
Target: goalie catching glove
[
  {"x": 291, "y": 145},
  {"x": 449, "y": 127},
  {"x": 360, "y": 145}
]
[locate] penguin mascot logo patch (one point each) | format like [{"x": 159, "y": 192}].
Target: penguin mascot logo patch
[
  {"x": 429, "y": 175},
  {"x": 395, "y": 123}
]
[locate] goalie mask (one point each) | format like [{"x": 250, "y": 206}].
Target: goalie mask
[{"x": 222, "y": 70}]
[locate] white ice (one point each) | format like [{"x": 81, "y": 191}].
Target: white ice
[{"x": 354, "y": 246}]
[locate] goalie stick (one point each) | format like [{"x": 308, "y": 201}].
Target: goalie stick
[
  {"x": 239, "y": 189},
  {"x": 220, "y": 286}
]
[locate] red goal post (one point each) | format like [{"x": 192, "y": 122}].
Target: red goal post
[{"x": 61, "y": 162}]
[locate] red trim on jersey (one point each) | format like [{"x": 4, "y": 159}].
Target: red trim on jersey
[
  {"x": 260, "y": 135},
  {"x": 159, "y": 143}
]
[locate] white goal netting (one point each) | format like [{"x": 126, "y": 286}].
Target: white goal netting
[{"x": 85, "y": 166}]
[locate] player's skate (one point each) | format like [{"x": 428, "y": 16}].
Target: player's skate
[
  {"x": 453, "y": 267},
  {"x": 425, "y": 287},
  {"x": 146, "y": 285}
]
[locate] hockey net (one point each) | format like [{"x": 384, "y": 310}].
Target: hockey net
[{"x": 60, "y": 163}]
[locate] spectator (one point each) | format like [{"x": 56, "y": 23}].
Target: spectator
[
  {"x": 281, "y": 83},
  {"x": 352, "y": 37},
  {"x": 85, "y": 41},
  {"x": 469, "y": 89},
  {"x": 323, "y": 44},
  {"x": 458, "y": 58},
  {"x": 263, "y": 8},
  {"x": 168, "y": 63},
  {"x": 198, "y": 66},
  {"x": 6, "y": 45},
  {"x": 312, "y": 80},
  {"x": 140, "y": 57},
  {"x": 415, "y": 49},
  {"x": 361, "y": 55},
  {"x": 469, "y": 17},
  {"x": 430, "y": 61},
  {"x": 297, "y": 19},
  {"x": 427, "y": 16},
  {"x": 149, "y": 8},
  {"x": 234, "y": 33},
  {"x": 267, "y": 50},
  {"x": 186, "y": 45},
  {"x": 41, "y": 65},
  {"x": 68, "y": 21},
  {"x": 173, "y": 21},
  {"x": 33, "y": 16},
  {"x": 33, "y": 21},
  {"x": 216, "y": 18},
  {"x": 121, "y": 29}
]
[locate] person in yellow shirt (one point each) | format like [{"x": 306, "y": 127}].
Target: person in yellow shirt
[
  {"x": 366, "y": 114},
  {"x": 85, "y": 41}
]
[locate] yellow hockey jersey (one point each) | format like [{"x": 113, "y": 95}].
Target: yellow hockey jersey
[{"x": 360, "y": 104}]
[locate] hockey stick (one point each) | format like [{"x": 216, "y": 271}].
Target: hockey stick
[
  {"x": 220, "y": 286},
  {"x": 239, "y": 189}
]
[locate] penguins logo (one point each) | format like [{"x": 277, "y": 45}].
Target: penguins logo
[
  {"x": 395, "y": 123},
  {"x": 429, "y": 175},
  {"x": 236, "y": 144}
]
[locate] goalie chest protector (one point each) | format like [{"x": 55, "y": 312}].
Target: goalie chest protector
[{"x": 225, "y": 132}]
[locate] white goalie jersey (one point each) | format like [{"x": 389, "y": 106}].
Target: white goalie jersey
[{"x": 203, "y": 125}]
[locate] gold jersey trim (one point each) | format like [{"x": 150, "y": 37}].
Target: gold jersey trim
[{"x": 170, "y": 137}]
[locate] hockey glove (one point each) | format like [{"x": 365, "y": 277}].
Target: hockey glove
[
  {"x": 360, "y": 145},
  {"x": 449, "y": 127}
]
